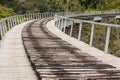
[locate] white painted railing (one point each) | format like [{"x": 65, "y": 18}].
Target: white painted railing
[
  {"x": 62, "y": 22},
  {"x": 8, "y": 23},
  {"x": 85, "y": 13}
]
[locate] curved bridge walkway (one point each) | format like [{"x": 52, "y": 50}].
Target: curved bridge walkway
[
  {"x": 55, "y": 59},
  {"x": 14, "y": 64}
]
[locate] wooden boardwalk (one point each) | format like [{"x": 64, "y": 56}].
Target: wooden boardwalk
[{"x": 55, "y": 59}]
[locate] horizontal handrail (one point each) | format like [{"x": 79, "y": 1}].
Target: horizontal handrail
[
  {"x": 87, "y": 21},
  {"x": 8, "y": 23},
  {"x": 62, "y": 21}
]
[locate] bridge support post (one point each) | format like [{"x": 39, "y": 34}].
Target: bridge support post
[
  {"x": 107, "y": 39},
  {"x": 91, "y": 36},
  {"x": 80, "y": 31}
]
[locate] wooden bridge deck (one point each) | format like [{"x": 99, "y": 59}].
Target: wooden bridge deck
[{"x": 55, "y": 59}]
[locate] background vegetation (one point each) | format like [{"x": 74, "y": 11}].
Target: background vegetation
[{"x": 9, "y": 7}]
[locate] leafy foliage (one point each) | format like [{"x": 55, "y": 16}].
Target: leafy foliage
[
  {"x": 34, "y": 6},
  {"x": 5, "y": 12}
]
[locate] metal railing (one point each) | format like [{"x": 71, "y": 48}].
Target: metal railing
[
  {"x": 85, "y": 13},
  {"x": 61, "y": 22},
  {"x": 7, "y": 24},
  {"x": 61, "y": 19}
]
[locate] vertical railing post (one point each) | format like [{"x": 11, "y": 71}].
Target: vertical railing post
[
  {"x": 61, "y": 24},
  {"x": 57, "y": 22},
  {"x": 23, "y": 18},
  {"x": 15, "y": 20},
  {"x": 65, "y": 25},
  {"x": 8, "y": 23},
  {"x": 32, "y": 16},
  {"x": 80, "y": 31},
  {"x": 11, "y": 22},
  {"x": 41, "y": 15},
  {"x": 29, "y": 17},
  {"x": 5, "y": 26},
  {"x": 71, "y": 30},
  {"x": 107, "y": 39},
  {"x": 92, "y": 33},
  {"x": 1, "y": 30},
  {"x": 20, "y": 18},
  {"x": 38, "y": 16}
]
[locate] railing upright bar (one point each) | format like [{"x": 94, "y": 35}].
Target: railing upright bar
[
  {"x": 24, "y": 18},
  {"x": 20, "y": 18},
  {"x": 92, "y": 33},
  {"x": 71, "y": 30},
  {"x": 1, "y": 30},
  {"x": 5, "y": 26},
  {"x": 28, "y": 17},
  {"x": 38, "y": 16},
  {"x": 15, "y": 20},
  {"x": 107, "y": 39},
  {"x": 11, "y": 20},
  {"x": 11, "y": 23},
  {"x": 57, "y": 23},
  {"x": 61, "y": 25},
  {"x": 65, "y": 21},
  {"x": 8, "y": 23},
  {"x": 80, "y": 31}
]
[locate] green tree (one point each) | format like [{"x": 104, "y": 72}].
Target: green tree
[{"x": 5, "y": 12}]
